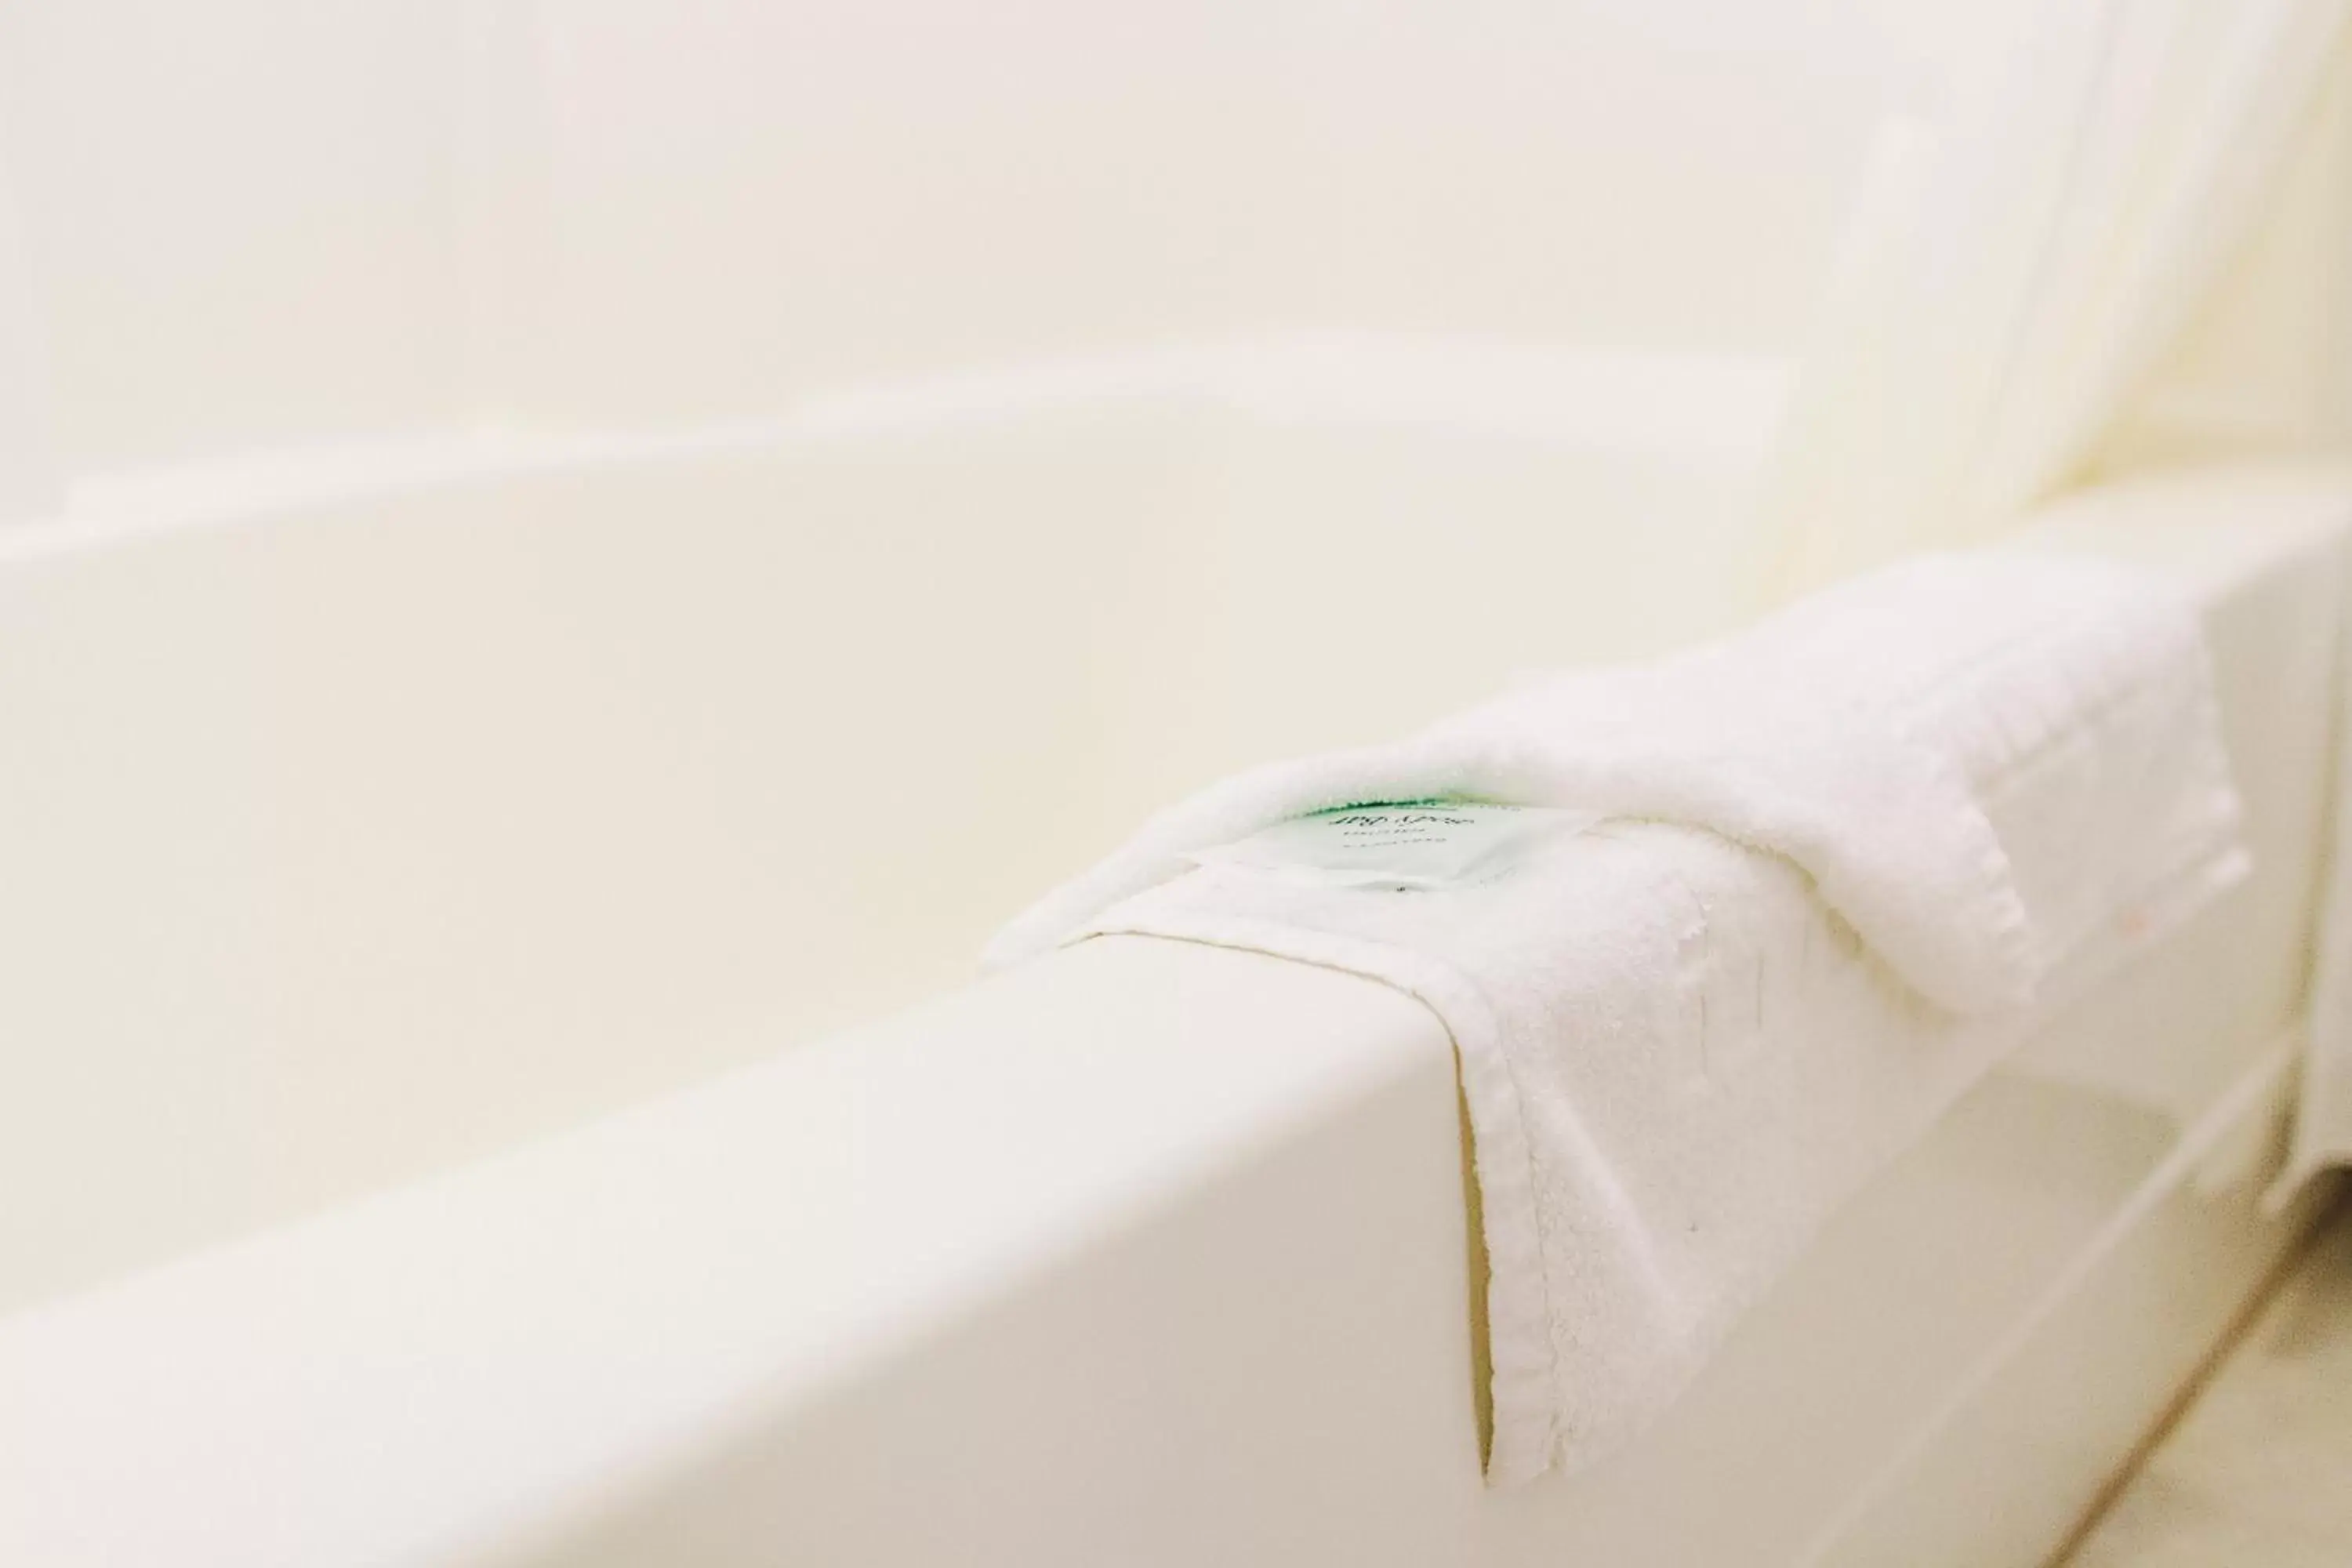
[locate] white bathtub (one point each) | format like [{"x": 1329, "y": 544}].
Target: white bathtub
[
  {"x": 371, "y": 809},
  {"x": 428, "y": 810}
]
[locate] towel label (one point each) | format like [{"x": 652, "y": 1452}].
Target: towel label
[{"x": 1407, "y": 844}]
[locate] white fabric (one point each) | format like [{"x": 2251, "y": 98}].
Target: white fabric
[
  {"x": 2265, "y": 371},
  {"x": 1885, "y": 828},
  {"x": 2014, "y": 271},
  {"x": 2031, "y": 286},
  {"x": 2322, "y": 1132}
]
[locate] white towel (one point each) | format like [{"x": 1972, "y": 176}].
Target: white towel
[{"x": 1853, "y": 851}]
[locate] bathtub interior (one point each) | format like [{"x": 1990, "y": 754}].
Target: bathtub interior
[{"x": 383, "y": 808}]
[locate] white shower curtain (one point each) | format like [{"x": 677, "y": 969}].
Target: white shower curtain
[
  {"x": 2015, "y": 275},
  {"x": 2016, "y": 271}
]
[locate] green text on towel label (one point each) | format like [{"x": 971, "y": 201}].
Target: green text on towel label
[{"x": 1415, "y": 844}]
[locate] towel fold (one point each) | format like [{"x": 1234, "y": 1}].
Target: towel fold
[{"x": 1849, "y": 857}]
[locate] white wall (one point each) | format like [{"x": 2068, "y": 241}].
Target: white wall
[
  {"x": 800, "y": 194},
  {"x": 29, "y": 475},
  {"x": 237, "y": 216},
  {"x": 250, "y": 223}
]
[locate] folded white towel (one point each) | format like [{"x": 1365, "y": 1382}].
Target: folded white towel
[{"x": 1851, "y": 853}]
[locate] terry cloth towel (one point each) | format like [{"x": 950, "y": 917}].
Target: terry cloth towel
[{"x": 1849, "y": 855}]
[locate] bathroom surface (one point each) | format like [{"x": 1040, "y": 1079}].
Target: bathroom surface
[{"x": 2253, "y": 1473}]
